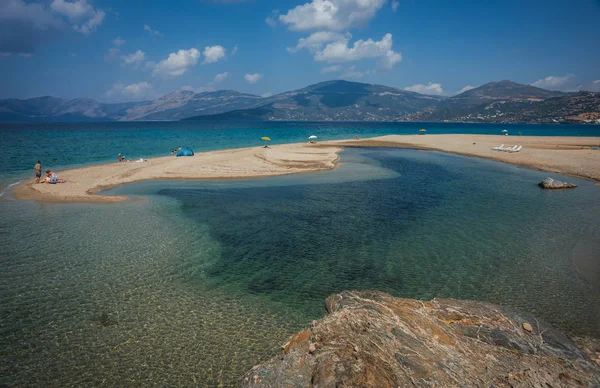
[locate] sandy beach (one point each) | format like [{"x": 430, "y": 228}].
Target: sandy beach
[
  {"x": 83, "y": 183},
  {"x": 565, "y": 155}
]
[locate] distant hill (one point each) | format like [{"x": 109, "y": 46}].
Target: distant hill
[
  {"x": 336, "y": 101},
  {"x": 182, "y": 104},
  {"x": 503, "y": 101},
  {"x": 582, "y": 107},
  {"x": 504, "y": 90},
  {"x": 58, "y": 109},
  {"x": 173, "y": 106}
]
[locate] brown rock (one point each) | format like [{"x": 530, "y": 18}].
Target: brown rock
[
  {"x": 550, "y": 183},
  {"x": 371, "y": 339},
  {"x": 527, "y": 327}
]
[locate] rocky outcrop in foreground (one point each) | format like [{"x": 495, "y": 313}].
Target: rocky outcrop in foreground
[
  {"x": 550, "y": 183},
  {"x": 371, "y": 339}
]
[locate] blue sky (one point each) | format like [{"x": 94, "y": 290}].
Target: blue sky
[{"x": 132, "y": 50}]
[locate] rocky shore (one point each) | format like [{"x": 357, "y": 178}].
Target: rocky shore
[{"x": 371, "y": 339}]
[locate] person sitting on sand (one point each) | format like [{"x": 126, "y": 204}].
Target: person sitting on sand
[
  {"x": 38, "y": 171},
  {"x": 121, "y": 158},
  {"x": 356, "y": 138},
  {"x": 51, "y": 177}
]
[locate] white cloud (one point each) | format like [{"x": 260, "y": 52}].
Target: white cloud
[
  {"x": 177, "y": 63},
  {"x": 73, "y": 10},
  {"x": 594, "y": 86},
  {"x": 430, "y": 88},
  {"x": 331, "y": 69},
  {"x": 387, "y": 61},
  {"x": 221, "y": 77},
  {"x": 353, "y": 73},
  {"x": 209, "y": 87},
  {"x": 37, "y": 16},
  {"x": 234, "y": 50},
  {"x": 90, "y": 26},
  {"x": 316, "y": 40},
  {"x": 118, "y": 41},
  {"x": 267, "y": 94},
  {"x": 335, "y": 15},
  {"x": 270, "y": 21},
  {"x": 554, "y": 82},
  {"x": 340, "y": 52},
  {"x": 26, "y": 25},
  {"x": 468, "y": 87},
  {"x": 213, "y": 54},
  {"x": 80, "y": 13},
  {"x": 253, "y": 78},
  {"x": 135, "y": 59},
  {"x": 151, "y": 31},
  {"x": 139, "y": 91},
  {"x": 394, "y": 5}
]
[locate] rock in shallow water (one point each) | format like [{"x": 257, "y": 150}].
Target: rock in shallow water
[
  {"x": 550, "y": 183},
  {"x": 371, "y": 339}
]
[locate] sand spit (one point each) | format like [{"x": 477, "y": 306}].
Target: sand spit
[
  {"x": 564, "y": 155},
  {"x": 83, "y": 183},
  {"x": 559, "y": 154}
]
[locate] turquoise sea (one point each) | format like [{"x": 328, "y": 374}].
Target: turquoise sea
[{"x": 191, "y": 283}]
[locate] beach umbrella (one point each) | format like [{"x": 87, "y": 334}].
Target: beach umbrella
[
  {"x": 505, "y": 132},
  {"x": 266, "y": 139},
  {"x": 312, "y": 138},
  {"x": 422, "y": 131}
]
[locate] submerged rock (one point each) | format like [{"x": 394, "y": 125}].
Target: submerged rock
[
  {"x": 550, "y": 183},
  {"x": 371, "y": 339}
]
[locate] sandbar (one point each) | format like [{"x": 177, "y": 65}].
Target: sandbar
[
  {"x": 84, "y": 183},
  {"x": 568, "y": 155},
  {"x": 564, "y": 155}
]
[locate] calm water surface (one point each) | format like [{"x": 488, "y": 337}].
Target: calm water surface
[{"x": 192, "y": 283}]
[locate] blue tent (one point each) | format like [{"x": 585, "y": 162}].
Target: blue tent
[{"x": 185, "y": 151}]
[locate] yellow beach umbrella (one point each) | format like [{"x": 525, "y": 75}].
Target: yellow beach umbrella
[{"x": 266, "y": 139}]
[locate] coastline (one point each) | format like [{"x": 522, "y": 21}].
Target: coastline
[
  {"x": 557, "y": 154},
  {"x": 562, "y": 155},
  {"x": 84, "y": 183}
]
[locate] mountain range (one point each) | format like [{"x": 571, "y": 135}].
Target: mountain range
[{"x": 503, "y": 101}]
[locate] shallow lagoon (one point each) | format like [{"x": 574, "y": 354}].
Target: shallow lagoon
[{"x": 194, "y": 282}]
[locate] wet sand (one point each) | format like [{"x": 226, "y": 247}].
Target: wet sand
[{"x": 564, "y": 155}]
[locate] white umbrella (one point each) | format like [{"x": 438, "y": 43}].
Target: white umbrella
[{"x": 312, "y": 137}]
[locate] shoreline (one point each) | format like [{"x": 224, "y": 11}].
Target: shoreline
[
  {"x": 84, "y": 183},
  {"x": 562, "y": 155}
]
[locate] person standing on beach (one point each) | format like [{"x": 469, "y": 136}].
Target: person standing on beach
[{"x": 38, "y": 171}]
